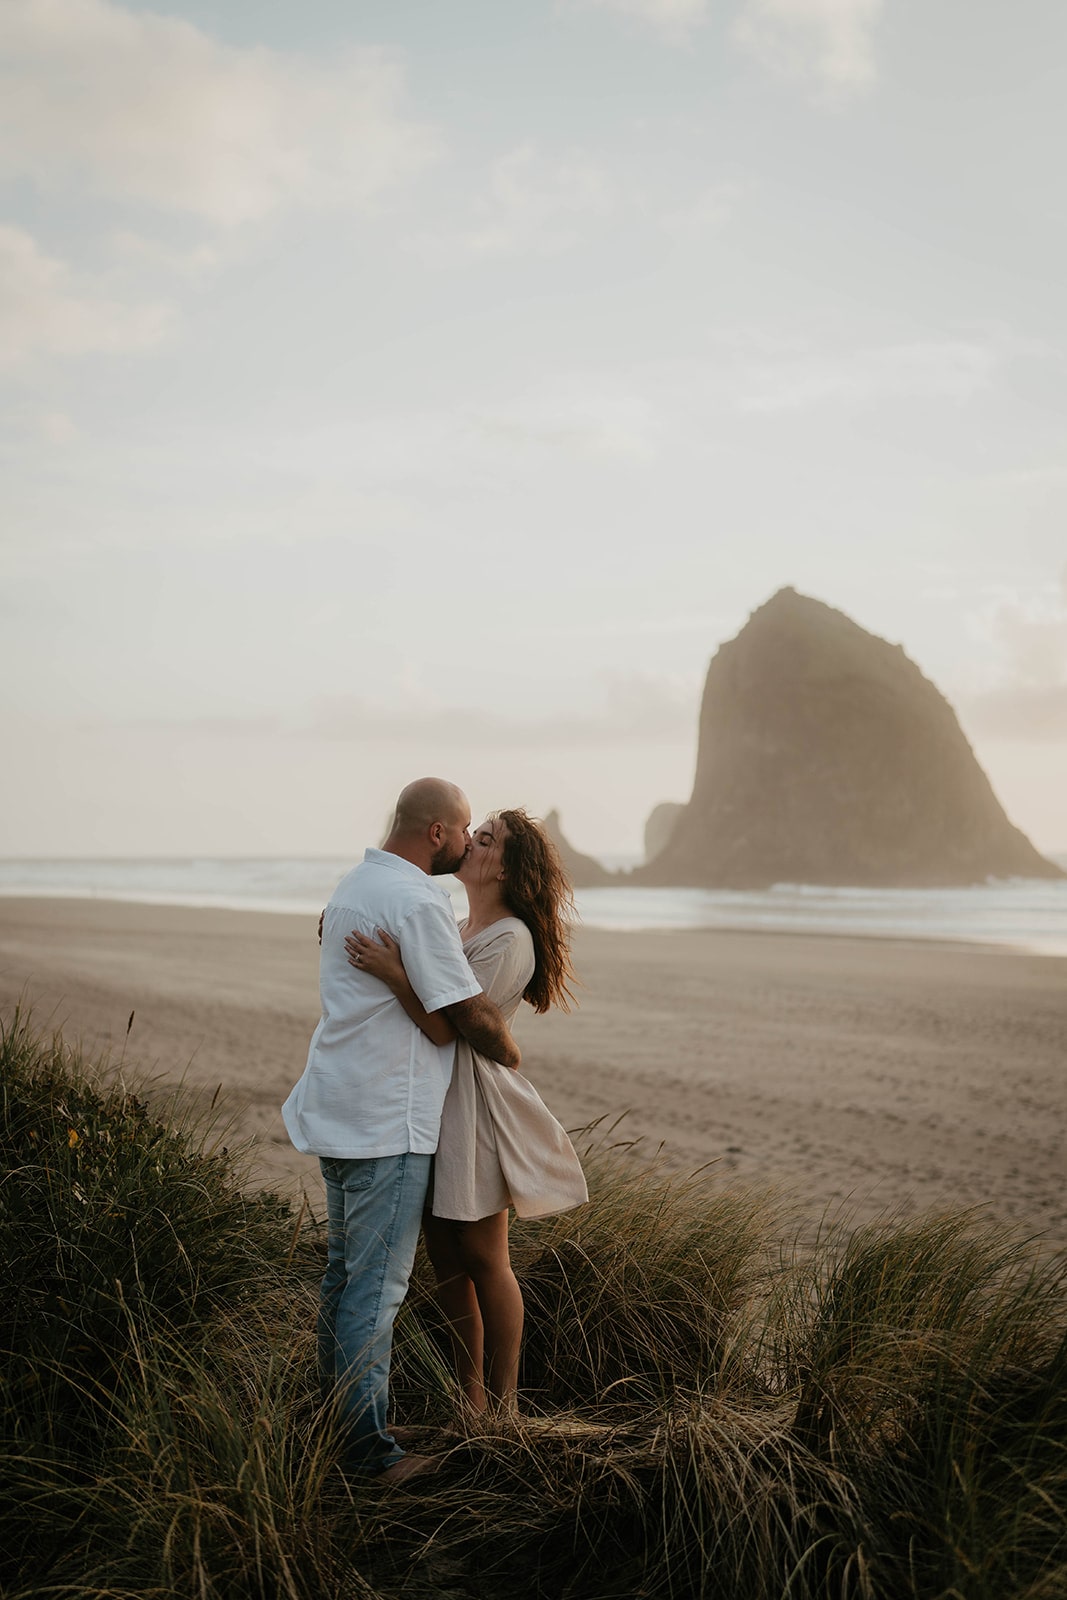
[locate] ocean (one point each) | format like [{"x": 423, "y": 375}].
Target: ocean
[{"x": 1024, "y": 914}]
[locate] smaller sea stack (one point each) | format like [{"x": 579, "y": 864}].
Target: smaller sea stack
[{"x": 583, "y": 871}]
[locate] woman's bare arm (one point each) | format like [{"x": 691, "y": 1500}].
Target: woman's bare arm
[{"x": 382, "y": 960}]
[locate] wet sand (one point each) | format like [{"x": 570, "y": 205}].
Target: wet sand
[{"x": 874, "y": 1074}]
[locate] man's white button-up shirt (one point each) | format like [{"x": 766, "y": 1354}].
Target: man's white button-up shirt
[{"x": 374, "y": 1083}]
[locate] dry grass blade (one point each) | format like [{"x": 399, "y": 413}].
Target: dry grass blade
[{"x": 882, "y": 1416}]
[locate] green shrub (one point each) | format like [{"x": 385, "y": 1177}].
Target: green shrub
[
  {"x": 645, "y": 1291},
  {"x": 930, "y": 1367},
  {"x": 112, "y": 1215},
  {"x": 117, "y": 1230}
]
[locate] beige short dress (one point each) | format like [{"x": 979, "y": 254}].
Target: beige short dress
[{"x": 500, "y": 1145}]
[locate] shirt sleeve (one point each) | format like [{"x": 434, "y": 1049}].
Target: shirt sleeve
[
  {"x": 432, "y": 953},
  {"x": 504, "y": 965}
]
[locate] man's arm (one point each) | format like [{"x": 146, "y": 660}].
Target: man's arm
[{"x": 481, "y": 1023}]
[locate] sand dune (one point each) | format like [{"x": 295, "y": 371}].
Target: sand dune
[{"x": 881, "y": 1074}]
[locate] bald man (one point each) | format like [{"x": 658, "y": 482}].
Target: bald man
[{"x": 369, "y": 1102}]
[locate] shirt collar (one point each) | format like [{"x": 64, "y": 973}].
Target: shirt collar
[{"x": 386, "y": 858}]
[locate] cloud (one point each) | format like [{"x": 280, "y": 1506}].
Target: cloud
[
  {"x": 1027, "y": 641},
  {"x": 533, "y": 206},
  {"x": 581, "y": 417},
  {"x": 673, "y": 18},
  {"x": 148, "y": 108},
  {"x": 135, "y": 250},
  {"x": 47, "y": 309},
  {"x": 28, "y": 425},
  {"x": 706, "y": 213},
  {"x": 949, "y": 369},
  {"x": 651, "y": 706},
  {"x": 1027, "y": 713},
  {"x": 1034, "y": 642},
  {"x": 828, "y": 43},
  {"x": 57, "y": 429},
  {"x": 656, "y": 709}
]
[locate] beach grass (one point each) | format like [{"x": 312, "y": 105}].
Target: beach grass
[{"x": 715, "y": 1401}]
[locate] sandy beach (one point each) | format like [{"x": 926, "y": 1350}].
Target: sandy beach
[{"x": 874, "y": 1074}]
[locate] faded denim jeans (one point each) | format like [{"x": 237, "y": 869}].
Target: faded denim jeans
[{"x": 373, "y": 1212}]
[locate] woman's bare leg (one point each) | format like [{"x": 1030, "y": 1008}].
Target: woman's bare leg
[
  {"x": 458, "y": 1301},
  {"x": 483, "y": 1256}
]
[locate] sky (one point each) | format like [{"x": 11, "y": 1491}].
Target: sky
[{"x": 405, "y": 388}]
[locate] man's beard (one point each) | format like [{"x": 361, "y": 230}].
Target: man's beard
[{"x": 444, "y": 860}]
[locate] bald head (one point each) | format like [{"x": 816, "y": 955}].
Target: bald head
[
  {"x": 430, "y": 800},
  {"x": 430, "y": 825}
]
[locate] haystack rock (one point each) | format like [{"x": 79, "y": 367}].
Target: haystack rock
[
  {"x": 826, "y": 757},
  {"x": 583, "y": 871}
]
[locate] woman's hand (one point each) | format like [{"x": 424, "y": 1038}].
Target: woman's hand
[{"x": 381, "y": 960}]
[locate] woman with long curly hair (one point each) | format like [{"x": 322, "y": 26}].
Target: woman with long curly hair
[{"x": 500, "y": 1146}]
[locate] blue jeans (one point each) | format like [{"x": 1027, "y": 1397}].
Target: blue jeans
[{"x": 373, "y": 1211}]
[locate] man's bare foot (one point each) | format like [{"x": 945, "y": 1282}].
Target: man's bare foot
[
  {"x": 408, "y": 1433},
  {"x": 409, "y": 1467}
]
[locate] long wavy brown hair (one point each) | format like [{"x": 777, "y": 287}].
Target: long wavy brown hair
[{"x": 538, "y": 890}]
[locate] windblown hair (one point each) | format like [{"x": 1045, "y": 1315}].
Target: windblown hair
[{"x": 537, "y": 889}]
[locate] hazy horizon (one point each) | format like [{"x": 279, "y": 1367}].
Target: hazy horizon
[{"x": 410, "y": 390}]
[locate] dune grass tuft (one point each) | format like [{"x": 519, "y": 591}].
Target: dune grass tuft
[
  {"x": 642, "y": 1293},
  {"x": 707, "y": 1412}
]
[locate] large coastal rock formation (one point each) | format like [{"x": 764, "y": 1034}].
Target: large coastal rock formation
[
  {"x": 826, "y": 757},
  {"x": 583, "y": 871}
]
